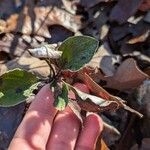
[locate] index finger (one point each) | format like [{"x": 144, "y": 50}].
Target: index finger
[{"x": 35, "y": 128}]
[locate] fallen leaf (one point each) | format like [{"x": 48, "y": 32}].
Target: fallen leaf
[
  {"x": 124, "y": 9},
  {"x": 59, "y": 33},
  {"x": 100, "y": 92},
  {"x": 34, "y": 65},
  {"x": 92, "y": 103},
  {"x": 17, "y": 45},
  {"x": 18, "y": 85},
  {"x": 147, "y": 17},
  {"x": 3, "y": 57},
  {"x": 147, "y": 71},
  {"x": 127, "y": 49},
  {"x": 144, "y": 146},
  {"x": 7, "y": 8},
  {"x": 8, "y": 45},
  {"x": 100, "y": 17},
  {"x": 88, "y": 4},
  {"x": 140, "y": 28},
  {"x": 140, "y": 38},
  {"x": 119, "y": 32},
  {"x": 110, "y": 134},
  {"x": 71, "y": 6},
  {"x": 105, "y": 60},
  {"x": 44, "y": 17},
  {"x": 127, "y": 76},
  {"x": 145, "y": 6},
  {"x": 10, "y": 119},
  {"x": 143, "y": 96}
]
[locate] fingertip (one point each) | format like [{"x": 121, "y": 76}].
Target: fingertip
[
  {"x": 43, "y": 100},
  {"x": 92, "y": 128},
  {"x": 96, "y": 120}
]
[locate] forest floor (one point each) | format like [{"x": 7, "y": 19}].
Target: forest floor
[{"x": 122, "y": 28}]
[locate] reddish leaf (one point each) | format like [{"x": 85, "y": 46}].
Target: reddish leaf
[
  {"x": 145, "y": 5},
  {"x": 99, "y": 91},
  {"x": 93, "y": 103},
  {"x": 127, "y": 76}
]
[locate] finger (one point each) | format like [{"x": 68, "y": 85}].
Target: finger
[
  {"x": 35, "y": 128},
  {"x": 90, "y": 132},
  {"x": 65, "y": 131}
]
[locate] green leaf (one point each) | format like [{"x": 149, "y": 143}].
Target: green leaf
[
  {"x": 15, "y": 86},
  {"x": 62, "y": 99},
  {"x": 77, "y": 51}
]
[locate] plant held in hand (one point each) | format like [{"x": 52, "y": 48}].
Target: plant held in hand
[{"x": 70, "y": 57}]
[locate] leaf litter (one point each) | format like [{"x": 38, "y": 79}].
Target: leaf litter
[{"x": 121, "y": 67}]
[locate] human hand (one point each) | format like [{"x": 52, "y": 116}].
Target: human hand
[{"x": 44, "y": 127}]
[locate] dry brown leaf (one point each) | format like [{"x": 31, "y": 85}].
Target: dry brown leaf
[
  {"x": 91, "y": 103},
  {"x": 35, "y": 65},
  {"x": 44, "y": 17},
  {"x": 88, "y": 3},
  {"x": 101, "y": 145},
  {"x": 119, "y": 32},
  {"x": 7, "y": 8},
  {"x": 127, "y": 76},
  {"x": 140, "y": 38},
  {"x": 3, "y": 57},
  {"x": 145, "y": 5},
  {"x": 143, "y": 99},
  {"x": 16, "y": 45},
  {"x": 124, "y": 9},
  {"x": 110, "y": 134},
  {"x": 105, "y": 60},
  {"x": 99, "y": 91},
  {"x": 147, "y": 71},
  {"x": 10, "y": 119},
  {"x": 144, "y": 146},
  {"x": 6, "y": 45},
  {"x": 95, "y": 105},
  {"x": 95, "y": 73},
  {"x": 147, "y": 17},
  {"x": 71, "y": 6}
]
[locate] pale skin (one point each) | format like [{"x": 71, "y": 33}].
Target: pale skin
[{"x": 45, "y": 128}]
